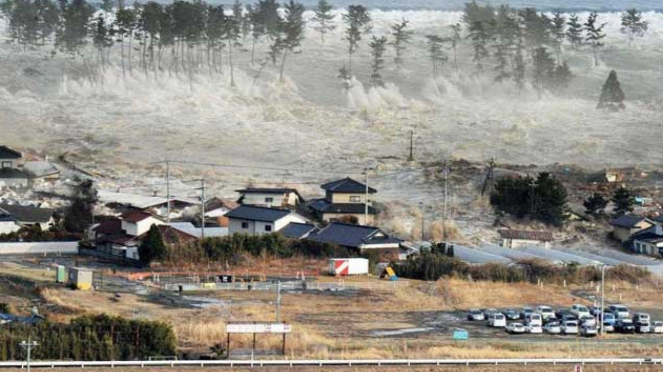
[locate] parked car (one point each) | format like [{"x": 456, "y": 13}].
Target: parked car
[
  {"x": 488, "y": 312},
  {"x": 525, "y": 311},
  {"x": 579, "y": 311},
  {"x": 546, "y": 312},
  {"x": 515, "y": 328},
  {"x": 497, "y": 320},
  {"x": 657, "y": 327},
  {"x": 588, "y": 330},
  {"x": 609, "y": 327},
  {"x": 595, "y": 311},
  {"x": 624, "y": 326},
  {"x": 570, "y": 327},
  {"x": 534, "y": 318},
  {"x": 553, "y": 328},
  {"x": 641, "y": 318},
  {"x": 642, "y": 327},
  {"x": 620, "y": 311},
  {"x": 475, "y": 315},
  {"x": 609, "y": 318},
  {"x": 568, "y": 316},
  {"x": 588, "y": 319},
  {"x": 512, "y": 314},
  {"x": 533, "y": 329}
]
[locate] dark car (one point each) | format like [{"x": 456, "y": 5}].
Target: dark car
[
  {"x": 624, "y": 326},
  {"x": 511, "y": 314},
  {"x": 525, "y": 312}
]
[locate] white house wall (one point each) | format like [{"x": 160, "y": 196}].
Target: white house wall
[{"x": 8, "y": 227}]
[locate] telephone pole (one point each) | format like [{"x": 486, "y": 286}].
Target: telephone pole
[
  {"x": 366, "y": 201},
  {"x": 278, "y": 301},
  {"x": 489, "y": 176},
  {"x": 202, "y": 207},
  {"x": 28, "y": 346},
  {"x": 411, "y": 157},
  {"x": 445, "y": 173},
  {"x": 168, "y": 191}
]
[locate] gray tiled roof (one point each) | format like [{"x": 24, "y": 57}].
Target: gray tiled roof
[
  {"x": 255, "y": 213},
  {"x": 354, "y": 236},
  {"x": 544, "y": 236},
  {"x": 12, "y": 173},
  {"x": 324, "y": 206},
  {"x": 27, "y": 214},
  {"x": 297, "y": 230},
  {"x": 9, "y": 153},
  {"x": 347, "y": 185},
  {"x": 627, "y": 220}
]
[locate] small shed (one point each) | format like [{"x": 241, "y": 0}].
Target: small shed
[
  {"x": 348, "y": 266},
  {"x": 80, "y": 278},
  {"x": 521, "y": 238}
]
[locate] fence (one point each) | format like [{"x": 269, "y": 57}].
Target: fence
[
  {"x": 24, "y": 248},
  {"x": 285, "y": 286},
  {"x": 330, "y": 362}
]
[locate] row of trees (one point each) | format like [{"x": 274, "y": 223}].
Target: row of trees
[
  {"x": 596, "y": 203},
  {"x": 90, "y": 337}
]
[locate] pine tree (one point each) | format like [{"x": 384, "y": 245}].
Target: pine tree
[
  {"x": 378, "y": 46},
  {"x": 536, "y": 28},
  {"x": 152, "y": 247},
  {"x": 72, "y": 35},
  {"x": 293, "y": 31},
  {"x": 435, "y": 52},
  {"x": 479, "y": 36},
  {"x": 402, "y": 36},
  {"x": 454, "y": 40},
  {"x": 612, "y": 96},
  {"x": 594, "y": 35},
  {"x": 595, "y": 205},
  {"x": 558, "y": 33},
  {"x": 633, "y": 24},
  {"x": 519, "y": 66},
  {"x": 323, "y": 18},
  {"x": 574, "y": 32},
  {"x": 506, "y": 32},
  {"x": 124, "y": 22},
  {"x": 101, "y": 38},
  {"x": 562, "y": 76},
  {"x": 543, "y": 68},
  {"x": 357, "y": 20},
  {"x": 232, "y": 34},
  {"x": 623, "y": 201}
]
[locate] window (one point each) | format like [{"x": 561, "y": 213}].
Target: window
[
  {"x": 355, "y": 199},
  {"x": 269, "y": 200},
  {"x": 245, "y": 225},
  {"x": 268, "y": 227},
  {"x": 6, "y": 164}
]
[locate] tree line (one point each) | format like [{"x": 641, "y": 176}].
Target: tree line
[{"x": 90, "y": 337}]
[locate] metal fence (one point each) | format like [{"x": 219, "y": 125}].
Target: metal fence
[
  {"x": 331, "y": 362},
  {"x": 285, "y": 286}
]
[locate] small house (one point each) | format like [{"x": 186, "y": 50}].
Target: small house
[
  {"x": 8, "y": 224},
  {"x": 648, "y": 241},
  {"x": 28, "y": 215},
  {"x": 360, "y": 238},
  {"x": 522, "y": 238},
  {"x": 345, "y": 199},
  {"x": 256, "y": 220},
  {"x": 80, "y": 278},
  {"x": 270, "y": 197},
  {"x": 623, "y": 227},
  {"x": 136, "y": 223},
  {"x": 11, "y": 175},
  {"x": 42, "y": 171}
]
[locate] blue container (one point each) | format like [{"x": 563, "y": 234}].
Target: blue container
[{"x": 461, "y": 334}]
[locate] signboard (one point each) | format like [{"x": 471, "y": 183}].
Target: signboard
[
  {"x": 460, "y": 334},
  {"x": 226, "y": 278},
  {"x": 258, "y": 328}
]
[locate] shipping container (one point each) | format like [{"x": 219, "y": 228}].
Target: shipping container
[
  {"x": 80, "y": 278},
  {"x": 348, "y": 266}
]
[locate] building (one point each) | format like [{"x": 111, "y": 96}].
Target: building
[
  {"x": 522, "y": 238},
  {"x": 122, "y": 237},
  {"x": 217, "y": 209},
  {"x": 345, "y": 199},
  {"x": 270, "y": 197},
  {"x": 623, "y": 227},
  {"x": 296, "y": 230},
  {"x": 360, "y": 238},
  {"x": 42, "y": 171},
  {"x": 29, "y": 216},
  {"x": 255, "y": 220},
  {"x": 154, "y": 205},
  {"x": 80, "y": 278},
  {"x": 11, "y": 176},
  {"x": 648, "y": 241},
  {"x": 136, "y": 223},
  {"x": 211, "y": 230}
]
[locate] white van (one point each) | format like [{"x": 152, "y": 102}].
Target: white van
[
  {"x": 534, "y": 319},
  {"x": 497, "y": 320},
  {"x": 546, "y": 312},
  {"x": 620, "y": 311},
  {"x": 580, "y": 311}
]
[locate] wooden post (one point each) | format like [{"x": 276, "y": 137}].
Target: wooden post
[
  {"x": 228, "y": 346},
  {"x": 253, "y": 347},
  {"x": 283, "y": 350}
]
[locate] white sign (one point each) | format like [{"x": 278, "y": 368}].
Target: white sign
[{"x": 259, "y": 328}]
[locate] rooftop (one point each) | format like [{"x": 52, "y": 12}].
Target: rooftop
[
  {"x": 347, "y": 185},
  {"x": 9, "y": 153},
  {"x": 38, "y": 169},
  {"x": 12, "y": 173},
  {"x": 27, "y": 214},
  {"x": 324, "y": 206},
  {"x": 354, "y": 236},
  {"x": 544, "y": 236},
  {"x": 296, "y": 230},
  {"x": 136, "y": 216},
  {"x": 627, "y": 220},
  {"x": 256, "y": 213}
]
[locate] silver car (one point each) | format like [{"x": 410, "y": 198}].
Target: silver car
[{"x": 475, "y": 314}]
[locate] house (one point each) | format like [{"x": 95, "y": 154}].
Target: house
[
  {"x": 343, "y": 199},
  {"x": 29, "y": 216},
  {"x": 623, "y": 227},
  {"x": 217, "y": 209},
  {"x": 154, "y": 205},
  {"x": 11, "y": 175},
  {"x": 360, "y": 238},
  {"x": 211, "y": 230},
  {"x": 136, "y": 223},
  {"x": 270, "y": 197},
  {"x": 520, "y": 238},
  {"x": 121, "y": 237},
  {"x": 42, "y": 171},
  {"x": 256, "y": 220},
  {"x": 8, "y": 224},
  {"x": 296, "y": 230},
  {"x": 648, "y": 241}
]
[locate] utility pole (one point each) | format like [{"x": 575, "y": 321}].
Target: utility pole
[
  {"x": 366, "y": 201},
  {"x": 445, "y": 173},
  {"x": 411, "y": 157},
  {"x": 278, "y": 301},
  {"x": 202, "y": 207},
  {"x": 28, "y": 346},
  {"x": 602, "y": 299},
  {"x": 489, "y": 176},
  {"x": 168, "y": 191},
  {"x": 423, "y": 219}
]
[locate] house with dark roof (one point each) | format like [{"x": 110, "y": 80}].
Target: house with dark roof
[
  {"x": 8, "y": 224},
  {"x": 296, "y": 230},
  {"x": 256, "y": 220},
  {"x": 29, "y": 215},
  {"x": 361, "y": 238},
  {"x": 648, "y": 241},
  {"x": 10, "y": 158},
  {"x": 522, "y": 238},
  {"x": 623, "y": 227},
  {"x": 270, "y": 197},
  {"x": 343, "y": 199},
  {"x": 10, "y": 174}
]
